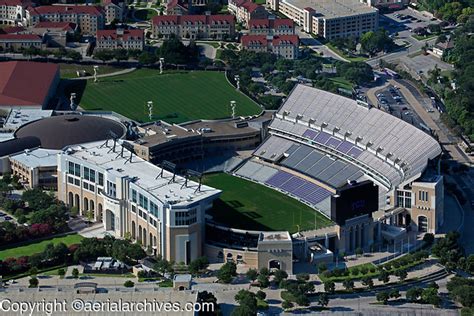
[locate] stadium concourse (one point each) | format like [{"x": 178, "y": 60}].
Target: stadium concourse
[{"x": 321, "y": 144}]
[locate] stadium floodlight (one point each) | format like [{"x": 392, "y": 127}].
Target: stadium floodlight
[
  {"x": 237, "y": 81},
  {"x": 72, "y": 105},
  {"x": 162, "y": 61},
  {"x": 168, "y": 165},
  {"x": 233, "y": 105},
  {"x": 96, "y": 70},
  {"x": 149, "y": 105}
]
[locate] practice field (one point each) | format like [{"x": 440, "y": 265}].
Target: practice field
[
  {"x": 36, "y": 247},
  {"x": 248, "y": 205},
  {"x": 177, "y": 96}
]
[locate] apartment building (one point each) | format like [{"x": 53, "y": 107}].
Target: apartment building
[
  {"x": 88, "y": 18},
  {"x": 329, "y": 18},
  {"x": 286, "y": 46},
  {"x": 17, "y": 42},
  {"x": 120, "y": 38},
  {"x": 245, "y": 10},
  {"x": 271, "y": 26},
  {"x": 115, "y": 10},
  {"x": 132, "y": 197},
  {"x": 12, "y": 12},
  {"x": 219, "y": 26}
]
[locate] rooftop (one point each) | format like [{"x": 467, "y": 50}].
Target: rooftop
[
  {"x": 143, "y": 174},
  {"x": 67, "y": 9},
  {"x": 182, "y": 278},
  {"x": 124, "y": 34},
  {"x": 20, "y": 117},
  {"x": 213, "y": 128},
  {"x": 16, "y": 75},
  {"x": 274, "y": 236},
  {"x": 160, "y": 132},
  {"x": 184, "y": 19},
  {"x": 333, "y": 8},
  {"x": 37, "y": 157}
]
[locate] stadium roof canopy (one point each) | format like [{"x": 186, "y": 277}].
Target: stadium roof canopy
[
  {"x": 56, "y": 132},
  {"x": 371, "y": 138}
]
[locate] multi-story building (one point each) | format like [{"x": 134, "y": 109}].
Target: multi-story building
[
  {"x": 16, "y": 42},
  {"x": 55, "y": 33},
  {"x": 390, "y": 4},
  {"x": 12, "y": 12},
  {"x": 115, "y": 10},
  {"x": 132, "y": 197},
  {"x": 245, "y": 10},
  {"x": 286, "y": 46},
  {"x": 89, "y": 19},
  {"x": 271, "y": 26},
  {"x": 218, "y": 26},
  {"x": 329, "y": 18},
  {"x": 120, "y": 38}
]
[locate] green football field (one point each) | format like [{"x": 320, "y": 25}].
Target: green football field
[
  {"x": 248, "y": 205},
  {"x": 177, "y": 96}
]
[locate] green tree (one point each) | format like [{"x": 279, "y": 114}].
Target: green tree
[
  {"x": 129, "y": 283},
  {"x": 33, "y": 271},
  {"x": 227, "y": 272},
  {"x": 75, "y": 273},
  {"x": 252, "y": 274},
  {"x": 145, "y": 58},
  {"x": 384, "y": 277},
  {"x": 368, "y": 282},
  {"x": 382, "y": 297},
  {"x": 61, "y": 273},
  {"x": 198, "y": 264},
  {"x": 413, "y": 294},
  {"x": 430, "y": 296},
  {"x": 279, "y": 275},
  {"x": 348, "y": 285},
  {"x": 33, "y": 282},
  {"x": 247, "y": 303},
  {"x": 329, "y": 287},
  {"x": 402, "y": 274},
  {"x": 261, "y": 295},
  {"x": 323, "y": 299},
  {"x": 287, "y": 304},
  {"x": 394, "y": 293},
  {"x": 263, "y": 280}
]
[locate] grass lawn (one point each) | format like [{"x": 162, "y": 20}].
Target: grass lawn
[
  {"x": 261, "y": 2},
  {"x": 351, "y": 275},
  {"x": 344, "y": 55},
  {"x": 177, "y": 96},
  {"x": 342, "y": 83},
  {"x": 145, "y": 14},
  {"x": 423, "y": 37},
  {"x": 248, "y": 205},
  {"x": 37, "y": 247},
  {"x": 69, "y": 70}
]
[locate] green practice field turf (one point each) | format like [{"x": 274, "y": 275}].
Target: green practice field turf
[
  {"x": 248, "y": 205},
  {"x": 36, "y": 247},
  {"x": 177, "y": 96}
]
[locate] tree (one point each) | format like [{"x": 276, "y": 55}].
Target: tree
[
  {"x": 37, "y": 199},
  {"x": 129, "y": 283},
  {"x": 120, "y": 54},
  {"x": 348, "y": 285},
  {"x": 145, "y": 58},
  {"x": 74, "y": 55},
  {"x": 74, "y": 211},
  {"x": 402, "y": 274},
  {"x": 33, "y": 282},
  {"x": 198, "y": 264},
  {"x": 287, "y": 304},
  {"x": 428, "y": 238},
  {"x": 384, "y": 277},
  {"x": 368, "y": 282},
  {"x": 430, "y": 296},
  {"x": 302, "y": 277},
  {"x": 252, "y": 274},
  {"x": 322, "y": 267},
  {"x": 359, "y": 252},
  {"x": 227, "y": 272},
  {"x": 104, "y": 55},
  {"x": 323, "y": 299},
  {"x": 413, "y": 294},
  {"x": 61, "y": 273},
  {"x": 279, "y": 275},
  {"x": 263, "y": 280},
  {"x": 247, "y": 303},
  {"x": 75, "y": 273},
  {"x": 329, "y": 287},
  {"x": 394, "y": 294},
  {"x": 383, "y": 297},
  {"x": 208, "y": 298},
  {"x": 261, "y": 295}
]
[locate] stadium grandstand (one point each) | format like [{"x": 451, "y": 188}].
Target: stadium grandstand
[{"x": 320, "y": 142}]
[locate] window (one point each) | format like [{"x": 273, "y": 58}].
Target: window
[
  {"x": 74, "y": 169},
  {"x": 101, "y": 178},
  {"x": 143, "y": 201},
  {"x": 186, "y": 217},
  {"x": 134, "y": 196},
  {"x": 111, "y": 189},
  {"x": 154, "y": 209},
  {"x": 89, "y": 174}
]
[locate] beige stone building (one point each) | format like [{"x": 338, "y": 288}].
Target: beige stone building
[
  {"x": 115, "y": 10},
  {"x": 132, "y": 197},
  {"x": 36, "y": 168},
  {"x": 245, "y": 10},
  {"x": 286, "y": 46},
  {"x": 88, "y": 18},
  {"x": 219, "y": 26},
  {"x": 271, "y": 26},
  {"x": 13, "y": 12},
  {"x": 329, "y": 18},
  {"x": 20, "y": 41},
  {"x": 120, "y": 38}
]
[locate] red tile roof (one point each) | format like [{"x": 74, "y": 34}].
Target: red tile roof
[
  {"x": 66, "y": 26},
  {"x": 286, "y": 39},
  {"x": 69, "y": 9},
  {"x": 254, "y": 40},
  {"x": 127, "y": 34},
  {"x": 11, "y": 3},
  {"x": 250, "y": 6},
  {"x": 20, "y": 37},
  {"x": 116, "y": 2},
  {"x": 25, "y": 83},
  {"x": 263, "y": 40},
  {"x": 270, "y": 23},
  {"x": 183, "y": 19},
  {"x": 12, "y": 29}
]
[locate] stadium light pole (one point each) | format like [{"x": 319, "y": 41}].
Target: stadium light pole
[
  {"x": 72, "y": 105},
  {"x": 237, "y": 81},
  {"x": 162, "y": 61},
  {"x": 233, "y": 105},
  {"x": 96, "y": 70},
  {"x": 149, "y": 105}
]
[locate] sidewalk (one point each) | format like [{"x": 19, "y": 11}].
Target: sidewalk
[{"x": 117, "y": 73}]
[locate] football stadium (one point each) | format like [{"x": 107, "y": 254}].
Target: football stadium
[{"x": 324, "y": 174}]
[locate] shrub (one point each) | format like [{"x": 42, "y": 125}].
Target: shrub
[
  {"x": 286, "y": 304},
  {"x": 33, "y": 282},
  {"x": 364, "y": 270},
  {"x": 129, "y": 283},
  {"x": 355, "y": 270}
]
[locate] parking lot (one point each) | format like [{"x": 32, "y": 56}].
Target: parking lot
[
  {"x": 405, "y": 20},
  {"x": 391, "y": 100}
]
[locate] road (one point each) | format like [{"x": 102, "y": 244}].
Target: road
[{"x": 317, "y": 46}]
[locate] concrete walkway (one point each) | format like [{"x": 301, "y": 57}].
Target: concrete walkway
[{"x": 116, "y": 73}]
